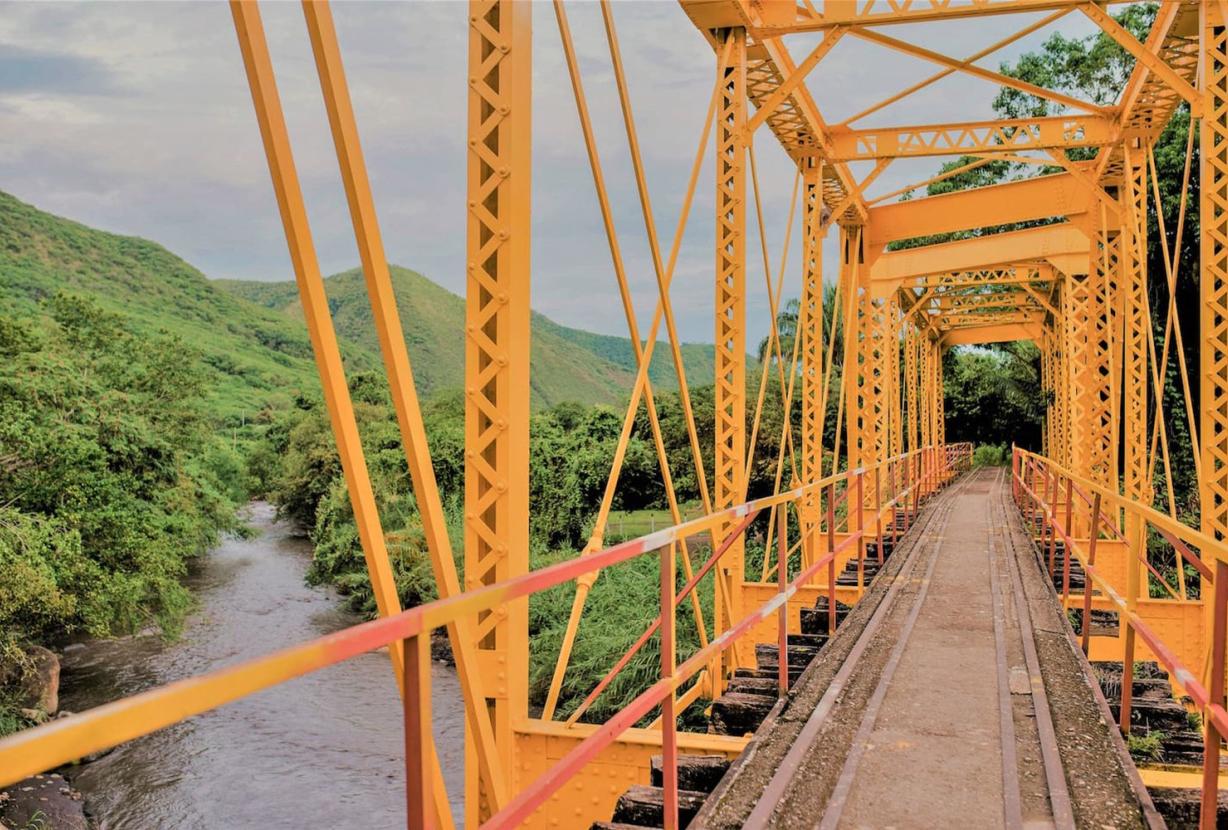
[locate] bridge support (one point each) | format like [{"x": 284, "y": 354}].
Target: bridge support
[
  {"x": 810, "y": 319},
  {"x": 497, "y": 364},
  {"x": 912, "y": 347},
  {"x": 730, "y": 352},
  {"x": 1135, "y": 321},
  {"x": 1213, "y": 286}
]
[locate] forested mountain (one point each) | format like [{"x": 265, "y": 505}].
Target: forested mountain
[
  {"x": 567, "y": 364},
  {"x": 250, "y": 334}
]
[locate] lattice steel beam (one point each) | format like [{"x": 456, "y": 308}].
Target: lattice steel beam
[
  {"x": 974, "y": 137},
  {"x": 497, "y": 360},
  {"x": 829, "y": 13},
  {"x": 730, "y": 356},
  {"x": 810, "y": 318},
  {"x": 1213, "y": 287},
  {"x": 1132, "y": 267}
]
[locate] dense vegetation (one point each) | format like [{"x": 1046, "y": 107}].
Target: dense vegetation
[
  {"x": 1094, "y": 68},
  {"x": 113, "y": 476},
  {"x": 145, "y": 402}
]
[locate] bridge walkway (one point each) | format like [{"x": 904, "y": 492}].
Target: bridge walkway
[{"x": 939, "y": 712}]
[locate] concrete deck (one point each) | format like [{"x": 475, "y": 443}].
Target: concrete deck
[{"x": 944, "y": 719}]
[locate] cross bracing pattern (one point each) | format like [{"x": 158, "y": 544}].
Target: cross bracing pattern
[{"x": 1057, "y": 256}]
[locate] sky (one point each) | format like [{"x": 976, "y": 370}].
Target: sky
[{"x": 136, "y": 118}]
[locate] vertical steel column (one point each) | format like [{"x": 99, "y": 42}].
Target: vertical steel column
[
  {"x": 1104, "y": 354},
  {"x": 925, "y": 376},
  {"x": 323, "y": 35},
  {"x": 940, "y": 398},
  {"x": 912, "y": 343},
  {"x": 814, "y": 408},
  {"x": 1213, "y": 350},
  {"x": 1048, "y": 389},
  {"x": 875, "y": 379},
  {"x": 1076, "y": 306},
  {"x": 730, "y": 427},
  {"x": 891, "y": 354},
  {"x": 1213, "y": 285},
  {"x": 497, "y": 361},
  {"x": 850, "y": 376},
  {"x": 1061, "y": 380},
  {"x": 1132, "y": 283}
]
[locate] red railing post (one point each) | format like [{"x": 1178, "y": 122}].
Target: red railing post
[
  {"x": 1086, "y": 628},
  {"x": 669, "y": 719},
  {"x": 861, "y": 531},
  {"x": 1127, "y": 674},
  {"x": 892, "y": 473},
  {"x": 1015, "y": 474},
  {"x": 1033, "y": 499},
  {"x": 1211, "y": 737},
  {"x": 782, "y": 619},
  {"x": 1051, "y": 518},
  {"x": 416, "y": 705},
  {"x": 831, "y": 564},
  {"x": 878, "y": 511},
  {"x": 1066, "y": 560}
]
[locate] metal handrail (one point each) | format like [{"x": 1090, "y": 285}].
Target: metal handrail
[
  {"x": 63, "y": 740},
  {"x": 1209, "y": 698}
]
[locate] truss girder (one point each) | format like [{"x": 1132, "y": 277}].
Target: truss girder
[
  {"x": 1132, "y": 267},
  {"x": 497, "y": 360},
  {"x": 974, "y": 137},
  {"x": 810, "y": 322},
  {"x": 912, "y": 344},
  {"x": 1148, "y": 102},
  {"x": 730, "y": 351},
  {"x": 1213, "y": 288},
  {"x": 824, "y": 14}
]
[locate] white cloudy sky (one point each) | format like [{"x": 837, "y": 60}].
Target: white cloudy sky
[{"x": 136, "y": 118}]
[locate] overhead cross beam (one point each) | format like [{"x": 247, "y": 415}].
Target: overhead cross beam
[
  {"x": 969, "y": 68},
  {"x": 974, "y": 137},
  {"x": 883, "y": 12}
]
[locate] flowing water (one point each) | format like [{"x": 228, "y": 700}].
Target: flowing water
[{"x": 325, "y": 750}]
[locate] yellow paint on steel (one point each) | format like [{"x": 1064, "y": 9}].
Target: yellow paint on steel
[
  {"x": 1076, "y": 285},
  {"x": 497, "y": 383},
  {"x": 397, "y": 366}
]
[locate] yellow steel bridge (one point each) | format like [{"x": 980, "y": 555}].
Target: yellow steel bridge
[{"x": 1069, "y": 273}]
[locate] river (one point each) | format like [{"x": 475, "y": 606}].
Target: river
[{"x": 325, "y": 750}]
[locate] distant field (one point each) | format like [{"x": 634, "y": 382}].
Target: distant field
[{"x": 628, "y": 524}]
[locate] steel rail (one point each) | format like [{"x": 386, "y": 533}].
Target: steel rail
[
  {"x": 1213, "y": 711},
  {"x": 777, "y": 786},
  {"x": 1012, "y": 802},
  {"x": 1050, "y": 753}
]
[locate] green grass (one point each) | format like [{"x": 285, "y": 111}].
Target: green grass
[
  {"x": 1148, "y": 747},
  {"x": 628, "y": 524}
]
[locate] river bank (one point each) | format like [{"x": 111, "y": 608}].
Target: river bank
[{"x": 317, "y": 751}]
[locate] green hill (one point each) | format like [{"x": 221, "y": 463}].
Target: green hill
[
  {"x": 567, "y": 364},
  {"x": 256, "y": 354},
  {"x": 251, "y": 333}
]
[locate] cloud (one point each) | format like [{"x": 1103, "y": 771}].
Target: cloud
[
  {"x": 137, "y": 118},
  {"x": 26, "y": 71}
]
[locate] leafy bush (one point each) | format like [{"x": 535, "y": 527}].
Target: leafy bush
[
  {"x": 112, "y": 477},
  {"x": 989, "y": 455}
]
